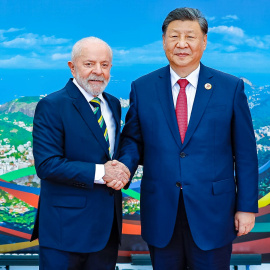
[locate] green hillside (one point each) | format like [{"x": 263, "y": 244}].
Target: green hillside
[
  {"x": 29, "y": 99},
  {"x": 260, "y": 114},
  {"x": 15, "y": 134},
  {"x": 18, "y": 116}
]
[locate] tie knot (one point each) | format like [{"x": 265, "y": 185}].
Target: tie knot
[
  {"x": 183, "y": 83},
  {"x": 95, "y": 102}
]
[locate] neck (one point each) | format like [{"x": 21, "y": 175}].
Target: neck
[{"x": 183, "y": 72}]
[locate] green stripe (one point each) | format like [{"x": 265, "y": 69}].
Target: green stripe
[
  {"x": 261, "y": 227},
  {"x": 31, "y": 171},
  {"x": 132, "y": 193},
  {"x": 18, "y": 174},
  {"x": 101, "y": 124}
]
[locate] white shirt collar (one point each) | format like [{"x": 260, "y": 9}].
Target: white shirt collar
[
  {"x": 193, "y": 77},
  {"x": 88, "y": 96}
]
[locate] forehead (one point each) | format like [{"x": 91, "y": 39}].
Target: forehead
[
  {"x": 185, "y": 26},
  {"x": 95, "y": 51}
]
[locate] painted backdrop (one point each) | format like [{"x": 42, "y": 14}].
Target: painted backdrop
[{"x": 36, "y": 38}]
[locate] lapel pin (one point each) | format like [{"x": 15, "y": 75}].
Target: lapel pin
[{"x": 208, "y": 86}]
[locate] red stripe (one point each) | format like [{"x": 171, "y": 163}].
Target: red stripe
[
  {"x": 29, "y": 198},
  {"x": 263, "y": 211},
  {"x": 131, "y": 229},
  {"x": 126, "y": 253},
  {"x": 15, "y": 233},
  {"x": 134, "y": 222},
  {"x": 261, "y": 246}
]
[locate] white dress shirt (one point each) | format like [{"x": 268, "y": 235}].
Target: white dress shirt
[
  {"x": 190, "y": 88},
  {"x": 110, "y": 123}
]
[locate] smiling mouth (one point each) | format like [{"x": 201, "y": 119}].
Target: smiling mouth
[
  {"x": 96, "y": 81},
  {"x": 182, "y": 54}
]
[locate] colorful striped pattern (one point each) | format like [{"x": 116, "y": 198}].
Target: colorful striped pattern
[
  {"x": 95, "y": 102},
  {"x": 258, "y": 241}
]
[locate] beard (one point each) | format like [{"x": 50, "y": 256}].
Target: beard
[{"x": 95, "y": 90}]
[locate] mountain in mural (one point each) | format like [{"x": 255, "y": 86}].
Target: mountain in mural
[
  {"x": 25, "y": 105},
  {"x": 16, "y": 118}
]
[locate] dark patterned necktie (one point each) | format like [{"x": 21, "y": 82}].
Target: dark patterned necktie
[
  {"x": 181, "y": 108},
  {"x": 95, "y": 102}
]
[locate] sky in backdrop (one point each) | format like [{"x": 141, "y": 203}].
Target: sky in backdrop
[{"x": 36, "y": 38}]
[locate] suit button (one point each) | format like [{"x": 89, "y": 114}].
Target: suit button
[
  {"x": 183, "y": 155},
  {"x": 178, "y": 184},
  {"x": 111, "y": 193}
]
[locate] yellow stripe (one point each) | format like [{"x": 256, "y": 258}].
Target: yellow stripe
[
  {"x": 105, "y": 133},
  {"x": 96, "y": 101},
  {"x": 264, "y": 201},
  {"x": 100, "y": 119},
  {"x": 17, "y": 246}
]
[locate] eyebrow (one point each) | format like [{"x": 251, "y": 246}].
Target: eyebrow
[{"x": 176, "y": 30}]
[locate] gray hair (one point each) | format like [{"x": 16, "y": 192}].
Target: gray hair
[
  {"x": 77, "y": 48},
  {"x": 186, "y": 14}
]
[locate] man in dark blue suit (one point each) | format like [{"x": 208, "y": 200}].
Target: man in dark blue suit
[
  {"x": 75, "y": 136},
  {"x": 190, "y": 126}
]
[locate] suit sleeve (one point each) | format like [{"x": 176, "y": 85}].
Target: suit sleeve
[
  {"x": 131, "y": 138},
  {"x": 49, "y": 150},
  {"x": 245, "y": 153}
]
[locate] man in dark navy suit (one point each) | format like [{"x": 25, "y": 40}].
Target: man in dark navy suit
[
  {"x": 75, "y": 136},
  {"x": 191, "y": 128}
]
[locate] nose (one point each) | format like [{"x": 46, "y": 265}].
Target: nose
[
  {"x": 97, "y": 69},
  {"x": 182, "y": 43}
]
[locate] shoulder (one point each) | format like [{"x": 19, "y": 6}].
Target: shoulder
[
  {"x": 53, "y": 100},
  {"x": 220, "y": 74},
  {"x": 154, "y": 75},
  {"x": 111, "y": 97},
  {"x": 58, "y": 96}
]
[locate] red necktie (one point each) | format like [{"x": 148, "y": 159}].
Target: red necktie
[{"x": 181, "y": 109}]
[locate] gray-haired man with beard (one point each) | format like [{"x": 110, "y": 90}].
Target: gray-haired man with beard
[{"x": 76, "y": 135}]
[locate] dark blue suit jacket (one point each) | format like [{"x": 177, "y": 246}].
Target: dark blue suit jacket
[
  {"x": 216, "y": 165},
  {"x": 74, "y": 214}
]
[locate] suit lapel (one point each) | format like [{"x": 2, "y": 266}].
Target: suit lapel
[
  {"x": 87, "y": 114},
  {"x": 200, "y": 102},
  {"x": 164, "y": 90}
]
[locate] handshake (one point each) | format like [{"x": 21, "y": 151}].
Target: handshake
[{"x": 116, "y": 174}]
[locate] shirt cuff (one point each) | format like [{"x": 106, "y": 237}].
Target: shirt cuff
[{"x": 100, "y": 172}]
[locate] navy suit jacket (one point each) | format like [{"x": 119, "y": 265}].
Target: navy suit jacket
[
  {"x": 216, "y": 164},
  {"x": 74, "y": 214}
]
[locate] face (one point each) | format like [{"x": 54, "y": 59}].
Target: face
[
  {"x": 91, "y": 68},
  {"x": 184, "y": 44}
]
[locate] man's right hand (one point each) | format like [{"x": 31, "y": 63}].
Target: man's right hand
[{"x": 116, "y": 174}]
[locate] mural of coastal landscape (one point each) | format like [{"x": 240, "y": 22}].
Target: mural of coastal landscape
[{"x": 34, "y": 51}]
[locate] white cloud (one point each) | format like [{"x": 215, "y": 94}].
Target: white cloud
[
  {"x": 238, "y": 61},
  {"x": 232, "y": 36},
  {"x": 38, "y": 50},
  {"x": 230, "y": 17},
  {"x": 10, "y": 30},
  {"x": 61, "y": 56},
  {"x": 228, "y": 30},
  {"x": 210, "y": 18},
  {"x": 32, "y": 61},
  {"x": 257, "y": 43},
  {"x": 147, "y": 54},
  {"x": 230, "y": 48},
  {"x": 30, "y": 40},
  {"x": 22, "y": 62}
]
